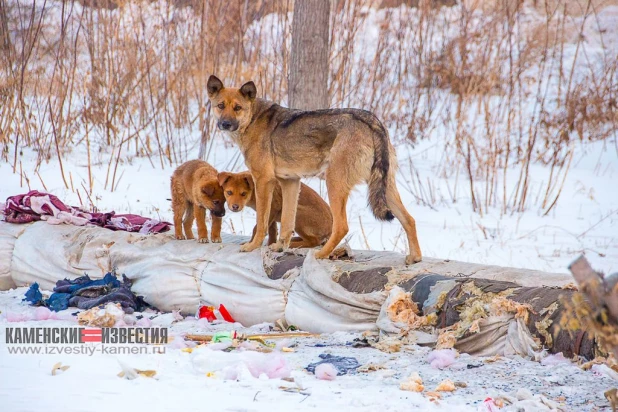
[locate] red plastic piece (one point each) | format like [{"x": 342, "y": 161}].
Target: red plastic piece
[
  {"x": 226, "y": 315},
  {"x": 207, "y": 312}
]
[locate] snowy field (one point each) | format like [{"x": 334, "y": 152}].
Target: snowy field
[
  {"x": 433, "y": 186},
  {"x": 209, "y": 378}
]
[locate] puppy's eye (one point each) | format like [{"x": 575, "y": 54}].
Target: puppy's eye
[
  {"x": 221, "y": 106},
  {"x": 243, "y": 194},
  {"x": 229, "y": 193},
  {"x": 215, "y": 202},
  {"x": 237, "y": 108}
]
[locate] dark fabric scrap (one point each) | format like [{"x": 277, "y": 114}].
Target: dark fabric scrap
[
  {"x": 343, "y": 364},
  {"x": 33, "y": 295},
  {"x": 85, "y": 293}
]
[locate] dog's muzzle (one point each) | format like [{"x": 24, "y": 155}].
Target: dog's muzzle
[
  {"x": 218, "y": 213},
  {"x": 227, "y": 125}
]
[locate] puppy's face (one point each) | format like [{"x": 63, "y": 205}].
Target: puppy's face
[
  {"x": 209, "y": 195},
  {"x": 237, "y": 189},
  {"x": 231, "y": 107}
]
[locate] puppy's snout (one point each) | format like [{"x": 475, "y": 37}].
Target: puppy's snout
[
  {"x": 219, "y": 213},
  {"x": 235, "y": 208}
]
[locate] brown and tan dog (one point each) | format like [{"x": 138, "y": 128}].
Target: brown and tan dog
[
  {"x": 314, "y": 220},
  {"x": 195, "y": 188},
  {"x": 349, "y": 145}
]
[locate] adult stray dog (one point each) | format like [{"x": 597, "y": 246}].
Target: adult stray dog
[
  {"x": 314, "y": 220},
  {"x": 195, "y": 188},
  {"x": 349, "y": 146}
]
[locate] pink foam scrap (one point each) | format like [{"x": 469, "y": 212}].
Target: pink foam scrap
[
  {"x": 326, "y": 372},
  {"x": 442, "y": 358}
]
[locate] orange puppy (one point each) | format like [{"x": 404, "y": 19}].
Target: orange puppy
[
  {"x": 195, "y": 188},
  {"x": 314, "y": 220}
]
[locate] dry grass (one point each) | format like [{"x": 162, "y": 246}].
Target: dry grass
[{"x": 121, "y": 79}]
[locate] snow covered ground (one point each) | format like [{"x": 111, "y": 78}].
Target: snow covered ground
[{"x": 196, "y": 380}]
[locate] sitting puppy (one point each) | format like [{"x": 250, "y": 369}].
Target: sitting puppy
[
  {"x": 314, "y": 220},
  {"x": 195, "y": 188}
]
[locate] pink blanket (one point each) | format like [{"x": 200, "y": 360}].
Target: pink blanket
[{"x": 36, "y": 205}]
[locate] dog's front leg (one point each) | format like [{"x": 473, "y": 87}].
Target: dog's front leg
[
  {"x": 290, "y": 188},
  {"x": 215, "y": 229},
  {"x": 264, "y": 186}
]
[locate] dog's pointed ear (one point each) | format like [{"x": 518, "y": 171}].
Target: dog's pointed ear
[
  {"x": 223, "y": 177},
  {"x": 214, "y": 85},
  {"x": 209, "y": 188},
  {"x": 248, "y": 179},
  {"x": 249, "y": 90}
]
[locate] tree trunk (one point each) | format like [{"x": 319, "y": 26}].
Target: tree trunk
[{"x": 308, "y": 77}]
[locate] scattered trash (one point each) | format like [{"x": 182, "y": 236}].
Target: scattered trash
[
  {"x": 433, "y": 396},
  {"x": 262, "y": 337},
  {"x": 469, "y": 366},
  {"x": 226, "y": 315},
  {"x": 239, "y": 365},
  {"x": 34, "y": 206},
  {"x": 85, "y": 293},
  {"x": 446, "y": 339},
  {"x": 326, "y": 372},
  {"x": 442, "y": 358},
  {"x": 412, "y": 383},
  {"x": 343, "y": 364},
  {"x": 132, "y": 373},
  {"x": 388, "y": 344},
  {"x": 103, "y": 318},
  {"x": 493, "y": 359},
  {"x": 557, "y": 359},
  {"x": 604, "y": 370},
  {"x": 446, "y": 385},
  {"x": 489, "y": 405},
  {"x": 58, "y": 369},
  {"x": 370, "y": 367},
  {"x": 206, "y": 312}
]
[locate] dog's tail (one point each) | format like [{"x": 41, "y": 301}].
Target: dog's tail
[{"x": 379, "y": 177}]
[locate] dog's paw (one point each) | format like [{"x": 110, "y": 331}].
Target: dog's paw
[
  {"x": 321, "y": 255},
  {"x": 249, "y": 247},
  {"x": 410, "y": 259},
  {"x": 203, "y": 240},
  {"x": 277, "y": 247},
  {"x": 216, "y": 239},
  {"x": 180, "y": 237}
]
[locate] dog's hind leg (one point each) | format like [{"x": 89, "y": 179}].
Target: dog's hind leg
[
  {"x": 338, "y": 193},
  {"x": 290, "y": 188},
  {"x": 264, "y": 187},
  {"x": 187, "y": 221},
  {"x": 394, "y": 203},
  {"x": 305, "y": 241},
  {"x": 272, "y": 233}
]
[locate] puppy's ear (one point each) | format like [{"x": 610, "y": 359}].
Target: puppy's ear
[
  {"x": 248, "y": 90},
  {"x": 248, "y": 179},
  {"x": 209, "y": 188},
  {"x": 223, "y": 177},
  {"x": 214, "y": 85}
]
